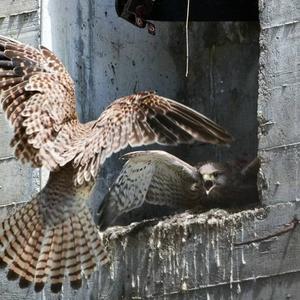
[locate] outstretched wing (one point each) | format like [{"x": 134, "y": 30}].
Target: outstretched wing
[
  {"x": 155, "y": 177},
  {"x": 135, "y": 120},
  {"x": 37, "y": 96}
]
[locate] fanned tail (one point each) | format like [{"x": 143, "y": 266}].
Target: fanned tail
[{"x": 36, "y": 253}]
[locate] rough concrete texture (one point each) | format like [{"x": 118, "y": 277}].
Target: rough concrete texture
[
  {"x": 278, "y": 103},
  {"x": 192, "y": 256}
]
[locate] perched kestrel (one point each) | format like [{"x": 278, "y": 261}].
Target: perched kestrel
[
  {"x": 54, "y": 236},
  {"x": 159, "y": 178}
]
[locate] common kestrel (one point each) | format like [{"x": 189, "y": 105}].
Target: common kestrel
[
  {"x": 159, "y": 178},
  {"x": 54, "y": 236}
]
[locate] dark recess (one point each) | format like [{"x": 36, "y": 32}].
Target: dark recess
[{"x": 205, "y": 10}]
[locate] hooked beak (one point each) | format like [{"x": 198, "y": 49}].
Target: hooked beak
[{"x": 209, "y": 183}]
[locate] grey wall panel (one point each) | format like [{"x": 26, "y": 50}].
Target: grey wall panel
[
  {"x": 193, "y": 256},
  {"x": 275, "y": 13},
  {"x": 278, "y": 105},
  {"x": 179, "y": 260},
  {"x": 281, "y": 175},
  {"x": 5, "y": 136},
  {"x": 17, "y": 182},
  {"x": 23, "y": 25},
  {"x": 11, "y": 8}
]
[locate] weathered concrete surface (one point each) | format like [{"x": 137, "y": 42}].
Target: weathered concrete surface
[
  {"x": 193, "y": 256},
  {"x": 21, "y": 20},
  {"x": 18, "y": 8},
  {"x": 17, "y": 182},
  {"x": 278, "y": 103}
]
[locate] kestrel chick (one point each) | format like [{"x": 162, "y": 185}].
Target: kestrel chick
[{"x": 230, "y": 184}]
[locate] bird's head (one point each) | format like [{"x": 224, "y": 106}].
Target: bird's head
[{"x": 214, "y": 177}]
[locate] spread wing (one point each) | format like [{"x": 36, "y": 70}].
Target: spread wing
[
  {"x": 135, "y": 120},
  {"x": 155, "y": 177},
  {"x": 37, "y": 96}
]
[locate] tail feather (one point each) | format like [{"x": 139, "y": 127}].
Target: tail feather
[
  {"x": 58, "y": 271},
  {"x": 19, "y": 241},
  {"x": 40, "y": 262},
  {"x": 21, "y": 262},
  {"x": 36, "y": 252},
  {"x": 15, "y": 232},
  {"x": 32, "y": 250},
  {"x": 74, "y": 255},
  {"x": 44, "y": 261},
  {"x": 57, "y": 263},
  {"x": 66, "y": 261},
  {"x": 88, "y": 263}
]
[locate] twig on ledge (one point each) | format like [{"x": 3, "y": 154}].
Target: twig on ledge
[{"x": 287, "y": 227}]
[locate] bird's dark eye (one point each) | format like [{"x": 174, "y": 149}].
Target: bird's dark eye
[{"x": 216, "y": 174}]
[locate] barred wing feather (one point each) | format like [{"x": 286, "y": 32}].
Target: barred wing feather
[{"x": 155, "y": 177}]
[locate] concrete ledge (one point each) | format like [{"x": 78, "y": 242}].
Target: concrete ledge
[{"x": 191, "y": 254}]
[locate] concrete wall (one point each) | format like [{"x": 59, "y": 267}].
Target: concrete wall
[
  {"x": 193, "y": 256},
  {"x": 279, "y": 106}
]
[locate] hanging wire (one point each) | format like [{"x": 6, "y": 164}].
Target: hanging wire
[{"x": 187, "y": 38}]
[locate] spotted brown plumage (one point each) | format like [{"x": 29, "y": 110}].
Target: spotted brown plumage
[
  {"x": 52, "y": 236},
  {"x": 161, "y": 179},
  {"x": 37, "y": 96},
  {"x": 154, "y": 177}
]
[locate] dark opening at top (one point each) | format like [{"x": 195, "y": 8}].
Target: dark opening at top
[{"x": 204, "y": 10}]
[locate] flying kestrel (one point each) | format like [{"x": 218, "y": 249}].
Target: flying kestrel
[
  {"x": 159, "y": 178},
  {"x": 54, "y": 236}
]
